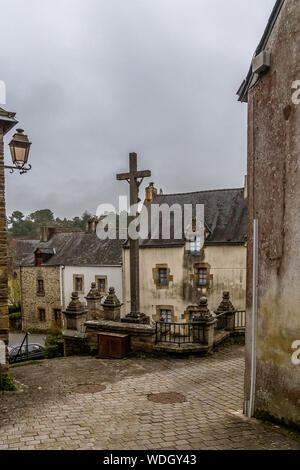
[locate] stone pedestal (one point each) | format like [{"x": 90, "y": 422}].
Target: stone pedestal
[
  {"x": 227, "y": 306},
  {"x": 74, "y": 336},
  {"x": 204, "y": 325},
  {"x": 112, "y": 307},
  {"x": 93, "y": 300},
  {"x": 75, "y": 314}
]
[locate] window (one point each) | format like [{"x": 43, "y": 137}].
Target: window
[
  {"x": 42, "y": 314},
  {"x": 163, "y": 276},
  {"x": 101, "y": 284},
  {"x": 202, "y": 277},
  {"x": 191, "y": 316},
  {"x": 78, "y": 283},
  {"x": 195, "y": 245},
  {"x": 40, "y": 286},
  {"x": 166, "y": 316}
]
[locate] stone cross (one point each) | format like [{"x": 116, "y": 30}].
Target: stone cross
[{"x": 134, "y": 178}]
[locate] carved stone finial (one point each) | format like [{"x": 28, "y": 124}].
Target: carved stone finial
[
  {"x": 225, "y": 305},
  {"x": 75, "y": 313},
  {"x": 93, "y": 294},
  {"x": 111, "y": 300},
  {"x": 75, "y": 307},
  {"x": 112, "y": 306},
  {"x": 204, "y": 314}
]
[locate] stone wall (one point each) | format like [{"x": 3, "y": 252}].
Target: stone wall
[
  {"x": 142, "y": 337},
  {"x": 4, "y": 324},
  {"x": 274, "y": 199},
  {"x": 31, "y": 301}
]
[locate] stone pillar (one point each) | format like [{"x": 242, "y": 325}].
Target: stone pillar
[
  {"x": 112, "y": 306},
  {"x": 226, "y": 306},
  {"x": 93, "y": 300},
  {"x": 204, "y": 324},
  {"x": 4, "y": 322},
  {"x": 75, "y": 314}
]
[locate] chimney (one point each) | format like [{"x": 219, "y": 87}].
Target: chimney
[
  {"x": 151, "y": 191},
  {"x": 91, "y": 225},
  {"x": 46, "y": 233}
]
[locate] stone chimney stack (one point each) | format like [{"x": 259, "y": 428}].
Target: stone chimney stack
[
  {"x": 91, "y": 225},
  {"x": 151, "y": 191},
  {"x": 46, "y": 233}
]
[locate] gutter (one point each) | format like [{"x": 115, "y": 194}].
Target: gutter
[{"x": 244, "y": 88}]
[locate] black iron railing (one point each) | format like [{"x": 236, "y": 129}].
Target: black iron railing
[
  {"x": 179, "y": 333},
  {"x": 240, "y": 320},
  {"x": 189, "y": 333},
  {"x": 20, "y": 352}
]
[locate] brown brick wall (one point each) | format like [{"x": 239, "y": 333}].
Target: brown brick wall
[
  {"x": 31, "y": 301},
  {"x": 3, "y": 251}
]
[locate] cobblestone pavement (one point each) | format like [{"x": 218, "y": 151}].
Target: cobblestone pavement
[{"x": 46, "y": 413}]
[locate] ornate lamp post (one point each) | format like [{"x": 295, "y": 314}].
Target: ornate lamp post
[{"x": 19, "y": 147}]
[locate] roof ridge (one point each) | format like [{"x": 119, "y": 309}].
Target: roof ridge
[{"x": 200, "y": 192}]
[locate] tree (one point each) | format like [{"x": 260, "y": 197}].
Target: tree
[
  {"x": 42, "y": 217},
  {"x": 16, "y": 216}
]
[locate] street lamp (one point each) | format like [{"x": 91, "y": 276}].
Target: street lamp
[{"x": 19, "y": 148}]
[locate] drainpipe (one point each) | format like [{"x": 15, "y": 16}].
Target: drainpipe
[
  {"x": 62, "y": 287},
  {"x": 254, "y": 320}
]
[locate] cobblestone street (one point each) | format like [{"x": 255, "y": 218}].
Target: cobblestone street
[{"x": 47, "y": 413}]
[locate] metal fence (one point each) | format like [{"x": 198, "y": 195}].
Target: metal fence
[
  {"x": 189, "y": 333},
  {"x": 179, "y": 333},
  {"x": 240, "y": 320}
]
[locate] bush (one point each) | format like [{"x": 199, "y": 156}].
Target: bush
[
  {"x": 54, "y": 343},
  {"x": 15, "y": 320},
  {"x": 8, "y": 383},
  {"x": 15, "y": 316},
  {"x": 13, "y": 309}
]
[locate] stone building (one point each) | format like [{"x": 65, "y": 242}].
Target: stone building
[
  {"x": 174, "y": 275},
  {"x": 63, "y": 262},
  {"x": 272, "y": 90}
]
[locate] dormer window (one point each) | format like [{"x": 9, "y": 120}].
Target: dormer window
[{"x": 42, "y": 255}]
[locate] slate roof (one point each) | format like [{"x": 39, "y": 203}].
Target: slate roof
[
  {"x": 22, "y": 249},
  {"x": 225, "y": 214},
  {"x": 243, "y": 90},
  {"x": 78, "y": 249}
]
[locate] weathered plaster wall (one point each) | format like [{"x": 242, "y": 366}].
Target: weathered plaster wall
[
  {"x": 274, "y": 198},
  {"x": 228, "y": 271},
  {"x": 112, "y": 273},
  {"x": 31, "y": 302}
]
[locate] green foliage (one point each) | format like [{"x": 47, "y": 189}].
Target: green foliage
[
  {"x": 14, "y": 295},
  {"x": 93, "y": 351},
  {"x": 15, "y": 316},
  {"x": 8, "y": 383},
  {"x": 54, "y": 343},
  {"x": 28, "y": 227}
]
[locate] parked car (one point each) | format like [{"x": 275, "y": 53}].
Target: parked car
[{"x": 35, "y": 351}]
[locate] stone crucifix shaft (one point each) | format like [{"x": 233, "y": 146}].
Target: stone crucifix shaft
[{"x": 132, "y": 177}]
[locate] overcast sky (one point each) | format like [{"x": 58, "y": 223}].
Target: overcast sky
[{"x": 92, "y": 80}]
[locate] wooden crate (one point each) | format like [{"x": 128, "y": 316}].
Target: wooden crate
[{"x": 113, "y": 345}]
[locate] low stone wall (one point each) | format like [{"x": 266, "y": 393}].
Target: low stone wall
[
  {"x": 75, "y": 343},
  {"x": 142, "y": 337}
]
